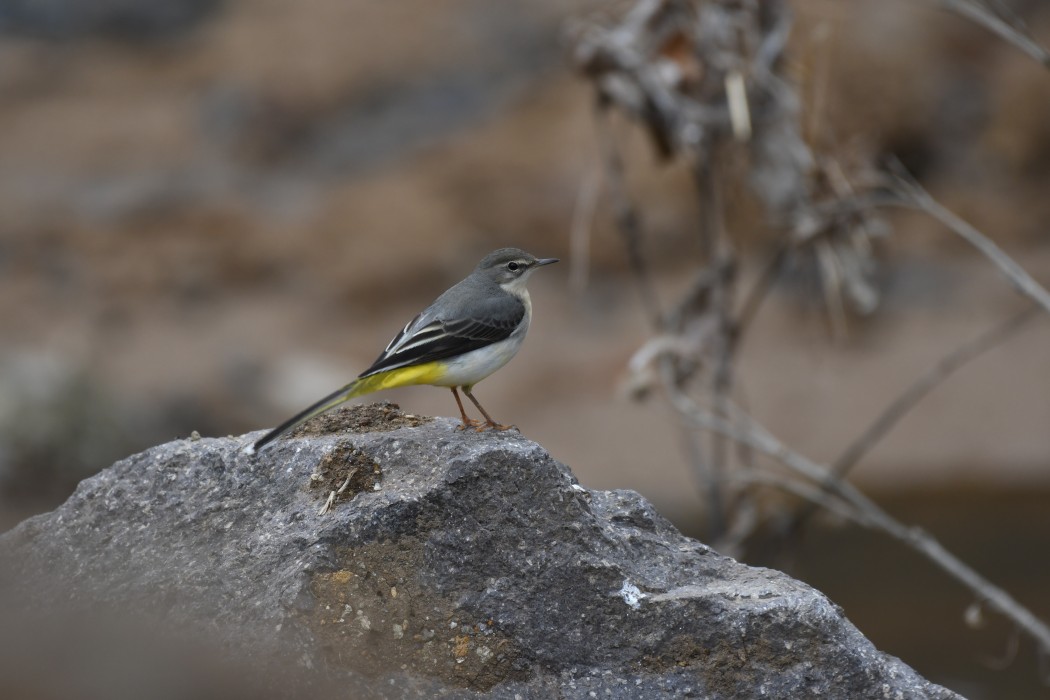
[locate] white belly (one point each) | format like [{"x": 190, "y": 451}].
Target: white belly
[{"x": 471, "y": 368}]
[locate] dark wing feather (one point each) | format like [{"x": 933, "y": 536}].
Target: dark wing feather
[{"x": 442, "y": 339}]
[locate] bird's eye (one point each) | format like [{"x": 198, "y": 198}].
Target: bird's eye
[{"x": 513, "y": 266}]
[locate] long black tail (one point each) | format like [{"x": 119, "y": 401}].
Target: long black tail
[{"x": 329, "y": 402}]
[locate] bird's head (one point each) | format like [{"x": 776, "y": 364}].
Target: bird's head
[{"x": 510, "y": 267}]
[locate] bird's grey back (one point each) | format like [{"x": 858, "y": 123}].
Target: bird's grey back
[{"x": 470, "y": 297}]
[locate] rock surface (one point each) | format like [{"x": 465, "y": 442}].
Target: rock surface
[{"x": 451, "y": 564}]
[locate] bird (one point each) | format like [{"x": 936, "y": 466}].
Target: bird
[{"x": 473, "y": 329}]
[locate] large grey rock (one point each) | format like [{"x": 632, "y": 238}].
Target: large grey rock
[{"x": 453, "y": 564}]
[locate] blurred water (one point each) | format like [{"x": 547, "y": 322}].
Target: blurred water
[{"x": 910, "y": 609}]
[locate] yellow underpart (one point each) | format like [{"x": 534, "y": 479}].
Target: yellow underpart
[{"x": 404, "y": 376}]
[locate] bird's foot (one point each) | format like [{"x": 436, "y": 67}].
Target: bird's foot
[
  {"x": 471, "y": 423},
  {"x": 489, "y": 425}
]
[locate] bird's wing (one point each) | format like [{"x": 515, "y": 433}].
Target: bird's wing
[{"x": 429, "y": 336}]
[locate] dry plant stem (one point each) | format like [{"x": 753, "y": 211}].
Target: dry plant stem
[
  {"x": 628, "y": 220},
  {"x": 908, "y": 399},
  {"x": 831, "y": 283},
  {"x": 328, "y": 503},
  {"x": 332, "y": 495},
  {"x": 758, "y": 294},
  {"x": 980, "y": 14},
  {"x": 797, "y": 488},
  {"x": 909, "y": 194},
  {"x": 1011, "y": 269},
  {"x": 580, "y": 235},
  {"x": 740, "y": 499},
  {"x": 917, "y": 197},
  {"x": 819, "y": 68},
  {"x": 709, "y": 482},
  {"x": 922, "y": 386},
  {"x": 709, "y": 488},
  {"x": 713, "y": 232},
  {"x": 867, "y": 513}
]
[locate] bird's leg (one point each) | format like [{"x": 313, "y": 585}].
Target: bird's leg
[
  {"x": 467, "y": 422},
  {"x": 489, "y": 423}
]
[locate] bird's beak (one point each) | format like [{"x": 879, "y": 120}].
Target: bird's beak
[{"x": 544, "y": 261}]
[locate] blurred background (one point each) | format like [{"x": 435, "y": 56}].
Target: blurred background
[{"x": 213, "y": 212}]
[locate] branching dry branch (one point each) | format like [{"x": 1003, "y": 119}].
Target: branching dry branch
[
  {"x": 1012, "y": 32},
  {"x": 580, "y": 236},
  {"x": 865, "y": 512},
  {"x": 628, "y": 220},
  {"x": 921, "y": 387},
  {"x": 892, "y": 414},
  {"x": 704, "y": 80},
  {"x": 913, "y": 195}
]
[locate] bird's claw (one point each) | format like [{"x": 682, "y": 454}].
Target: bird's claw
[
  {"x": 494, "y": 426},
  {"x": 482, "y": 426}
]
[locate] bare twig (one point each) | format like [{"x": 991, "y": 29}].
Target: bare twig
[
  {"x": 922, "y": 386},
  {"x": 913, "y": 195},
  {"x": 346, "y": 483},
  {"x": 798, "y": 488},
  {"x": 701, "y": 91},
  {"x": 831, "y": 284},
  {"x": 867, "y": 513},
  {"x": 818, "y": 59},
  {"x": 906, "y": 192},
  {"x": 1011, "y": 33},
  {"x": 339, "y": 492},
  {"x": 628, "y": 220},
  {"x": 758, "y": 293},
  {"x": 580, "y": 234},
  {"x": 739, "y": 110},
  {"x": 709, "y": 488},
  {"x": 892, "y": 414},
  {"x": 328, "y": 503},
  {"x": 719, "y": 254}
]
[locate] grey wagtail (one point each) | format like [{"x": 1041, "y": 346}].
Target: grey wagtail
[{"x": 468, "y": 333}]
